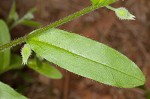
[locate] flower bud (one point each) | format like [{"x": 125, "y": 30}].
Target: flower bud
[
  {"x": 25, "y": 52},
  {"x": 124, "y": 14}
]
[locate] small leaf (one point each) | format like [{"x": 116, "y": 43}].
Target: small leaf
[
  {"x": 6, "y": 92},
  {"x": 16, "y": 16},
  {"x": 30, "y": 23},
  {"x": 87, "y": 58},
  {"x": 4, "y": 38},
  {"x": 25, "y": 19},
  {"x": 12, "y": 13},
  {"x": 25, "y": 52},
  {"x": 32, "y": 10},
  {"x": 29, "y": 15},
  {"x": 45, "y": 69},
  {"x": 104, "y": 2}
]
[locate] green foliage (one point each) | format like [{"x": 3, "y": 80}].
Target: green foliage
[
  {"x": 4, "y": 38},
  {"x": 8, "y": 61},
  {"x": 6, "y": 64},
  {"x": 15, "y": 63},
  {"x": 26, "y": 20},
  {"x": 6, "y": 92},
  {"x": 30, "y": 23},
  {"x": 87, "y": 58},
  {"x": 13, "y": 18},
  {"x": 45, "y": 69},
  {"x": 12, "y": 21},
  {"x": 70, "y": 51},
  {"x": 12, "y": 14},
  {"x": 104, "y": 2},
  {"x": 26, "y": 52}
]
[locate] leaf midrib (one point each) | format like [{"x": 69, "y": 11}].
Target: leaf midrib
[{"x": 47, "y": 43}]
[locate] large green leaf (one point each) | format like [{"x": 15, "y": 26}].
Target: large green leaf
[
  {"x": 6, "y": 92},
  {"x": 104, "y": 2},
  {"x": 87, "y": 58},
  {"x": 45, "y": 69},
  {"x": 4, "y": 38}
]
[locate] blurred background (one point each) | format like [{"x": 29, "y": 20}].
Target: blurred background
[{"x": 132, "y": 38}]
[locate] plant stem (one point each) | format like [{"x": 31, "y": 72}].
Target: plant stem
[
  {"x": 64, "y": 20},
  {"x": 12, "y": 43},
  {"x": 53, "y": 25},
  {"x": 110, "y": 8}
]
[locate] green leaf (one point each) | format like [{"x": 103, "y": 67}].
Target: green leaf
[
  {"x": 104, "y": 2},
  {"x": 29, "y": 15},
  {"x": 32, "y": 10},
  {"x": 87, "y": 58},
  {"x": 6, "y": 92},
  {"x": 16, "y": 16},
  {"x": 30, "y": 23},
  {"x": 25, "y": 19},
  {"x": 15, "y": 63},
  {"x": 45, "y": 69},
  {"x": 4, "y": 38},
  {"x": 12, "y": 13}
]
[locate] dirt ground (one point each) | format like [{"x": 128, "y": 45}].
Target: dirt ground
[{"x": 128, "y": 37}]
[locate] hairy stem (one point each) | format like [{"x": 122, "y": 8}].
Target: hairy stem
[
  {"x": 12, "y": 43},
  {"x": 111, "y": 8},
  {"x": 53, "y": 25}
]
